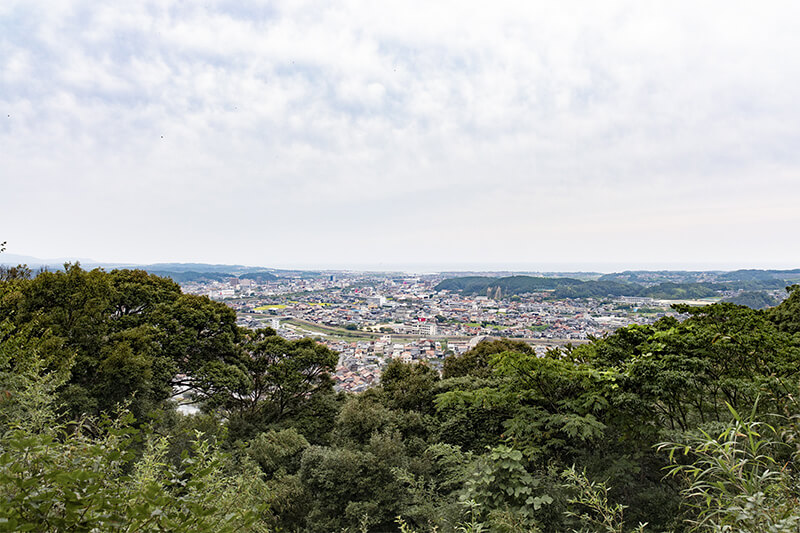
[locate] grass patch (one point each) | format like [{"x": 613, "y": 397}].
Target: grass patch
[{"x": 268, "y": 307}]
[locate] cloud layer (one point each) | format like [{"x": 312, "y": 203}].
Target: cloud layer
[{"x": 401, "y": 132}]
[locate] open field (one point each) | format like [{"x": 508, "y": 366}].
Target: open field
[{"x": 269, "y": 307}]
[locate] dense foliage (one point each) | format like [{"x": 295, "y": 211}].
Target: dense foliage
[
  {"x": 610, "y": 286},
  {"x": 753, "y": 299},
  {"x": 785, "y": 277},
  {"x": 509, "y": 285},
  {"x": 677, "y": 425},
  {"x": 185, "y": 276}
]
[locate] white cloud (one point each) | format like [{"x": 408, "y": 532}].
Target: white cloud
[{"x": 437, "y": 131}]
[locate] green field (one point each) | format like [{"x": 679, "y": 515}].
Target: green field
[
  {"x": 490, "y": 326},
  {"x": 345, "y": 334},
  {"x": 269, "y": 307},
  {"x": 539, "y": 327}
]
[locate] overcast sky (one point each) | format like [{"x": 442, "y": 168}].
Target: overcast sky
[{"x": 395, "y": 133}]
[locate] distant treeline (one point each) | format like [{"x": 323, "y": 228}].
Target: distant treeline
[
  {"x": 649, "y": 277},
  {"x": 754, "y": 300},
  {"x": 574, "y": 288},
  {"x": 190, "y": 276}
]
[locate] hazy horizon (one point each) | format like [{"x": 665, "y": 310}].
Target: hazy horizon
[{"x": 423, "y": 267}]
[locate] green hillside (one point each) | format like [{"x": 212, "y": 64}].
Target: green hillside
[{"x": 573, "y": 288}]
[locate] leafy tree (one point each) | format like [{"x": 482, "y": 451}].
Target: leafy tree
[
  {"x": 349, "y": 484},
  {"x": 557, "y": 410},
  {"x": 736, "y": 479},
  {"x": 409, "y": 386},
  {"x": 473, "y": 426},
  {"x": 18, "y": 272},
  {"x": 277, "y": 378},
  {"x": 361, "y": 417},
  {"x": 86, "y": 476},
  {"x": 592, "y": 510},
  {"x": 433, "y": 487},
  {"x": 502, "y": 486},
  {"x": 133, "y": 335},
  {"x": 786, "y": 316},
  {"x": 277, "y": 451},
  {"x": 721, "y": 354},
  {"x": 475, "y": 362},
  {"x": 365, "y": 415}
]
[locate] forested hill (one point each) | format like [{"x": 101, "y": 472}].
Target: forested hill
[
  {"x": 185, "y": 276},
  {"x": 509, "y": 285},
  {"x": 762, "y": 275},
  {"x": 608, "y": 286},
  {"x": 573, "y": 288},
  {"x": 753, "y": 299},
  {"x": 776, "y": 278}
]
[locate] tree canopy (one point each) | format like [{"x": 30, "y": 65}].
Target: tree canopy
[{"x": 578, "y": 439}]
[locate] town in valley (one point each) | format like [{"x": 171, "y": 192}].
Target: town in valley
[{"x": 372, "y": 318}]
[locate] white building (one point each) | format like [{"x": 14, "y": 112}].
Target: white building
[
  {"x": 427, "y": 328},
  {"x": 376, "y": 301}
]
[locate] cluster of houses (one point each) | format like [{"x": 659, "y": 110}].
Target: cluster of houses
[
  {"x": 360, "y": 363},
  {"x": 432, "y": 323}
]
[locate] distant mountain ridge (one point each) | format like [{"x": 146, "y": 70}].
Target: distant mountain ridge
[
  {"x": 714, "y": 283},
  {"x": 179, "y": 272},
  {"x": 665, "y": 284},
  {"x": 15, "y": 259},
  {"x": 697, "y": 276},
  {"x": 574, "y": 288}
]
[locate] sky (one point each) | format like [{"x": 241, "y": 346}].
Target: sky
[{"x": 346, "y": 134}]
